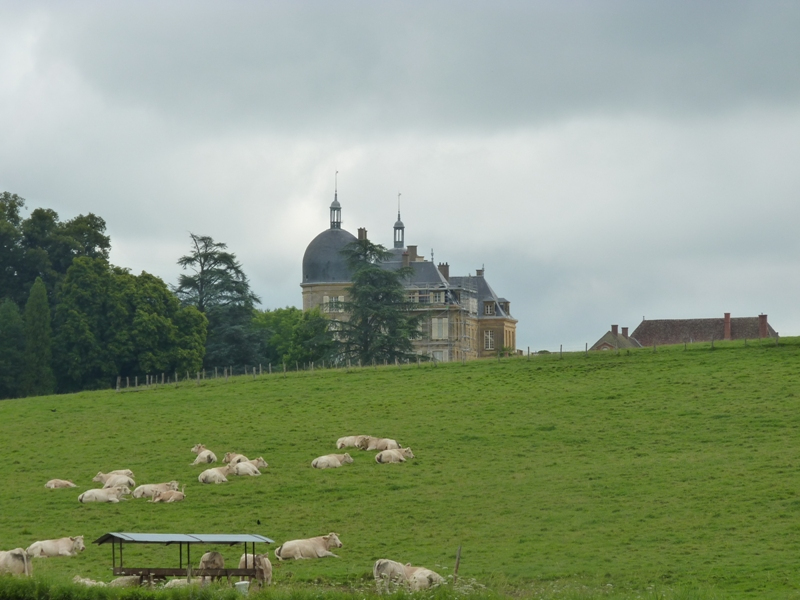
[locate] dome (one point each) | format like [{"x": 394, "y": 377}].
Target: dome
[{"x": 323, "y": 262}]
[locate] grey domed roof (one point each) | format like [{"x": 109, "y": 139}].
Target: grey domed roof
[{"x": 323, "y": 262}]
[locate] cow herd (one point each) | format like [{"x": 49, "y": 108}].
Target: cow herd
[{"x": 117, "y": 484}]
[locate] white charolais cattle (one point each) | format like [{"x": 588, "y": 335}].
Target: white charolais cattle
[
  {"x": 245, "y": 468},
  {"x": 350, "y": 441},
  {"x": 316, "y": 547},
  {"x": 149, "y": 489},
  {"x": 87, "y": 582},
  {"x": 259, "y": 462},
  {"x": 55, "y": 484},
  {"x": 66, "y": 546},
  {"x": 113, "y": 494},
  {"x": 204, "y": 455},
  {"x": 331, "y": 461},
  {"x": 170, "y": 496},
  {"x": 215, "y": 475},
  {"x": 232, "y": 458},
  {"x": 118, "y": 480},
  {"x": 103, "y": 477},
  {"x": 15, "y": 562},
  {"x": 261, "y": 564},
  {"x": 420, "y": 578},
  {"x": 211, "y": 560},
  {"x": 382, "y": 444},
  {"x": 394, "y": 456},
  {"x": 387, "y": 571}
]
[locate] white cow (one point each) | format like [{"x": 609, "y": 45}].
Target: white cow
[
  {"x": 420, "y": 578},
  {"x": 233, "y": 458},
  {"x": 177, "y": 583},
  {"x": 15, "y": 562},
  {"x": 104, "y": 495},
  {"x": 54, "y": 484},
  {"x": 258, "y": 462},
  {"x": 211, "y": 560},
  {"x": 387, "y": 571},
  {"x": 315, "y": 547},
  {"x": 246, "y": 468},
  {"x": 66, "y": 546},
  {"x": 215, "y": 475},
  {"x": 117, "y": 480},
  {"x": 394, "y": 456},
  {"x": 88, "y": 582},
  {"x": 382, "y": 444},
  {"x": 205, "y": 457},
  {"x": 331, "y": 461},
  {"x": 350, "y": 441},
  {"x": 149, "y": 489},
  {"x": 126, "y": 581},
  {"x": 103, "y": 477},
  {"x": 170, "y": 496},
  {"x": 261, "y": 564}
]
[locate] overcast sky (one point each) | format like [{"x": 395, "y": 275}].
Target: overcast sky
[{"x": 605, "y": 161}]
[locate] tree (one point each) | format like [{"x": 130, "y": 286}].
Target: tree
[
  {"x": 37, "y": 377},
  {"x": 218, "y": 288},
  {"x": 12, "y": 349},
  {"x": 110, "y": 322},
  {"x": 379, "y": 325},
  {"x": 289, "y": 335},
  {"x": 42, "y": 246}
]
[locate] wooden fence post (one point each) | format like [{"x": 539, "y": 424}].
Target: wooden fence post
[
  {"x": 458, "y": 562},
  {"x": 119, "y": 381}
]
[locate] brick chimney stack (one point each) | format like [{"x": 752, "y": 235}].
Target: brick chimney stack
[
  {"x": 479, "y": 273},
  {"x": 444, "y": 269},
  {"x": 625, "y": 332},
  {"x": 763, "y": 330},
  {"x": 362, "y": 233},
  {"x": 406, "y": 261},
  {"x": 615, "y": 330},
  {"x": 727, "y": 335},
  {"x": 412, "y": 253}
]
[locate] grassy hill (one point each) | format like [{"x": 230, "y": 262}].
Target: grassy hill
[{"x": 674, "y": 472}]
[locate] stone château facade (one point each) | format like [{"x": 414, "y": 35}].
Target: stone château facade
[{"x": 463, "y": 318}]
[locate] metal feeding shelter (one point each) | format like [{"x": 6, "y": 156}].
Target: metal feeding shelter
[{"x": 181, "y": 539}]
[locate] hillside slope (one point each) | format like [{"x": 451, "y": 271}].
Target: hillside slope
[{"x": 670, "y": 468}]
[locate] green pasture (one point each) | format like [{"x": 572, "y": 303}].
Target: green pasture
[{"x": 643, "y": 474}]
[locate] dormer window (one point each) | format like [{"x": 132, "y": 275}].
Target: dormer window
[{"x": 488, "y": 308}]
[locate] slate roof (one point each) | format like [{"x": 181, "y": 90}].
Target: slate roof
[
  {"x": 616, "y": 341},
  {"x": 678, "y": 331},
  {"x": 323, "y": 261},
  {"x": 484, "y": 293}
]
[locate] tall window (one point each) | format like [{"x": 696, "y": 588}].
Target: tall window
[
  {"x": 488, "y": 340},
  {"x": 439, "y": 328},
  {"x": 332, "y": 304}
]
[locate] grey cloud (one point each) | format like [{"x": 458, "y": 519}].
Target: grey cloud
[{"x": 443, "y": 65}]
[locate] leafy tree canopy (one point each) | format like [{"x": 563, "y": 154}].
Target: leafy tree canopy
[
  {"x": 218, "y": 287},
  {"x": 43, "y": 246},
  {"x": 289, "y": 335},
  {"x": 12, "y": 349},
  {"x": 379, "y": 325},
  {"x": 37, "y": 377}
]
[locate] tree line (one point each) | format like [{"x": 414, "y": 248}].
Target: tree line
[{"x": 70, "y": 320}]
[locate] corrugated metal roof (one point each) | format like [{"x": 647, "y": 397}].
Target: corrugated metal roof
[{"x": 183, "y": 538}]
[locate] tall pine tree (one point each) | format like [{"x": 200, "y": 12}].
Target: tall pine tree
[
  {"x": 12, "y": 349},
  {"x": 37, "y": 377}
]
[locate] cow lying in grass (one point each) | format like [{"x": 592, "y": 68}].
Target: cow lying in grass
[
  {"x": 331, "y": 461},
  {"x": 66, "y": 546},
  {"x": 316, "y": 547},
  {"x": 15, "y": 562}
]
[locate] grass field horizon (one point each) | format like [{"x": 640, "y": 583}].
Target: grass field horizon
[{"x": 614, "y": 474}]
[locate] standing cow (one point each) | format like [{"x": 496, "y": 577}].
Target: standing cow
[{"x": 261, "y": 564}]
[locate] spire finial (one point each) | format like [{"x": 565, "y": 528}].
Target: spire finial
[{"x": 398, "y": 205}]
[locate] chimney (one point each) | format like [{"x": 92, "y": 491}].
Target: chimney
[
  {"x": 405, "y": 259},
  {"x": 763, "y": 329},
  {"x": 362, "y": 233},
  {"x": 412, "y": 253},
  {"x": 479, "y": 273},
  {"x": 614, "y": 330},
  {"x": 444, "y": 269},
  {"x": 727, "y": 333},
  {"x": 625, "y": 332}
]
